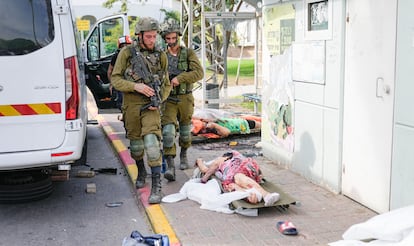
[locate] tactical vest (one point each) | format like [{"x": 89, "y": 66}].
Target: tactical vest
[
  {"x": 177, "y": 65},
  {"x": 144, "y": 64}
]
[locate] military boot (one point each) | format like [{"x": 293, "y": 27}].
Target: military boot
[
  {"x": 142, "y": 174},
  {"x": 170, "y": 173},
  {"x": 156, "y": 195},
  {"x": 183, "y": 159}
]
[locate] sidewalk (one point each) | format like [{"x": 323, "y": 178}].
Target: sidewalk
[{"x": 321, "y": 217}]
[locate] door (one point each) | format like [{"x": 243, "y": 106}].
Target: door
[
  {"x": 368, "y": 101},
  {"x": 32, "y": 83},
  {"x": 99, "y": 47}
]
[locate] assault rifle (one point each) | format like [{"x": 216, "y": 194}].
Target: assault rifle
[
  {"x": 140, "y": 67},
  {"x": 155, "y": 100}
]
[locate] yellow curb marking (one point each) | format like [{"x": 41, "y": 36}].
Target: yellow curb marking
[
  {"x": 157, "y": 217},
  {"x": 160, "y": 223},
  {"x": 119, "y": 146},
  {"x": 133, "y": 172}
]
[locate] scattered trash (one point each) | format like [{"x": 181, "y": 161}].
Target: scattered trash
[
  {"x": 113, "y": 204},
  {"x": 107, "y": 170},
  {"x": 286, "y": 228},
  {"x": 137, "y": 238},
  {"x": 85, "y": 174},
  {"x": 91, "y": 188},
  {"x": 233, "y": 143}
]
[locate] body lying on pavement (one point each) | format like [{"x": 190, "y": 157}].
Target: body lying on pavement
[{"x": 238, "y": 173}]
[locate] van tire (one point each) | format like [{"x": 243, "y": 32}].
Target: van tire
[{"x": 20, "y": 187}]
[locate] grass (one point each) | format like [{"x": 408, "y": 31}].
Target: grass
[{"x": 246, "y": 67}]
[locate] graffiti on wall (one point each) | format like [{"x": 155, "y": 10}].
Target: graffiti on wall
[{"x": 278, "y": 84}]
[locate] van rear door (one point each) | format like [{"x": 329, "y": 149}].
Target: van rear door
[{"x": 32, "y": 82}]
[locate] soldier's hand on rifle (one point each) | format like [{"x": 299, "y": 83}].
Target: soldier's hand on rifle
[
  {"x": 152, "y": 108},
  {"x": 175, "y": 82},
  {"x": 144, "y": 89}
]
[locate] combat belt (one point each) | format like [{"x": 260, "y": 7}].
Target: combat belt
[
  {"x": 174, "y": 71},
  {"x": 141, "y": 72}
]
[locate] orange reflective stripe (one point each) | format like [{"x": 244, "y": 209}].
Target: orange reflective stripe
[{"x": 30, "y": 109}]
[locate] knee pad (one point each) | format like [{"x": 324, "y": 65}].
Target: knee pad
[
  {"x": 168, "y": 135},
  {"x": 137, "y": 148},
  {"x": 152, "y": 147},
  {"x": 185, "y": 134}
]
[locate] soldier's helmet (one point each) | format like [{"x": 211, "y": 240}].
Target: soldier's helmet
[
  {"x": 124, "y": 40},
  {"x": 170, "y": 26},
  {"x": 146, "y": 24}
]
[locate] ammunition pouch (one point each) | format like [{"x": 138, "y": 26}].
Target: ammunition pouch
[{"x": 182, "y": 89}]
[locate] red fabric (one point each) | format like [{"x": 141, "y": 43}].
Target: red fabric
[{"x": 239, "y": 164}]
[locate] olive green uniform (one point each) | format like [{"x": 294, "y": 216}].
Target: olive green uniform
[
  {"x": 179, "y": 107},
  {"x": 140, "y": 123}
]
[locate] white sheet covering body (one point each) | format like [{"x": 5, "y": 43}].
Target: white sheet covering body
[
  {"x": 210, "y": 197},
  {"x": 393, "y": 228}
]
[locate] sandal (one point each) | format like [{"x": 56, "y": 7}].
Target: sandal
[{"x": 287, "y": 228}]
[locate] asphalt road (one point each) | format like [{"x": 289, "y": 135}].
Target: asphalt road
[{"x": 71, "y": 216}]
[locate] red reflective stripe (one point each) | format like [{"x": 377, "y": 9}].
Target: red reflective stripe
[
  {"x": 55, "y": 107},
  {"x": 24, "y": 109},
  {"x": 61, "y": 154},
  {"x": 30, "y": 109}
]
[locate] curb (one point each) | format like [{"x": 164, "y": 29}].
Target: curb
[{"x": 156, "y": 215}]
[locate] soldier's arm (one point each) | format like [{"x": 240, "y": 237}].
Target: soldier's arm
[
  {"x": 166, "y": 84},
  {"x": 117, "y": 77},
  {"x": 195, "y": 72}
]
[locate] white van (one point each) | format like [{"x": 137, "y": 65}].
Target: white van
[{"x": 43, "y": 112}]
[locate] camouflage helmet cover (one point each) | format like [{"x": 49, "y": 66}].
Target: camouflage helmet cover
[
  {"x": 170, "y": 26},
  {"x": 145, "y": 24}
]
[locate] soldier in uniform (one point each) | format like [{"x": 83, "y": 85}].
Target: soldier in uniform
[
  {"x": 141, "y": 73},
  {"x": 184, "y": 69}
]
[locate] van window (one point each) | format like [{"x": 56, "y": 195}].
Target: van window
[
  {"x": 109, "y": 31},
  {"x": 25, "y": 25}
]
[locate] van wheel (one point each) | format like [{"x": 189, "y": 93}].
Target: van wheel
[
  {"x": 24, "y": 186},
  {"x": 82, "y": 160}
]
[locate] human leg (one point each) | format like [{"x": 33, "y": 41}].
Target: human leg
[
  {"x": 168, "y": 132},
  {"x": 185, "y": 142},
  {"x": 246, "y": 182},
  {"x": 151, "y": 130},
  {"x": 185, "y": 112},
  {"x": 136, "y": 145},
  {"x": 137, "y": 153},
  {"x": 168, "y": 122}
]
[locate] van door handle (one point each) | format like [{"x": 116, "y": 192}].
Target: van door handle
[{"x": 382, "y": 88}]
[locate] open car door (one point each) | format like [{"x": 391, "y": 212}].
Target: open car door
[{"x": 99, "y": 46}]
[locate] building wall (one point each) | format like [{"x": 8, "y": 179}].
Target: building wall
[
  {"x": 403, "y": 155},
  {"x": 308, "y": 77}
]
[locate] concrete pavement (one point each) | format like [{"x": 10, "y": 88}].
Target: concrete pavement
[{"x": 322, "y": 216}]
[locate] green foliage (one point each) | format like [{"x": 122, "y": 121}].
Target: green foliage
[
  {"x": 171, "y": 15},
  {"x": 109, "y": 4}
]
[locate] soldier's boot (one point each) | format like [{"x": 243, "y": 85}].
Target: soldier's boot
[
  {"x": 156, "y": 194},
  {"x": 142, "y": 174},
  {"x": 170, "y": 172},
  {"x": 183, "y": 159}
]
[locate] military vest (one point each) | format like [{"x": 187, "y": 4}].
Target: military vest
[
  {"x": 177, "y": 65},
  {"x": 144, "y": 64}
]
